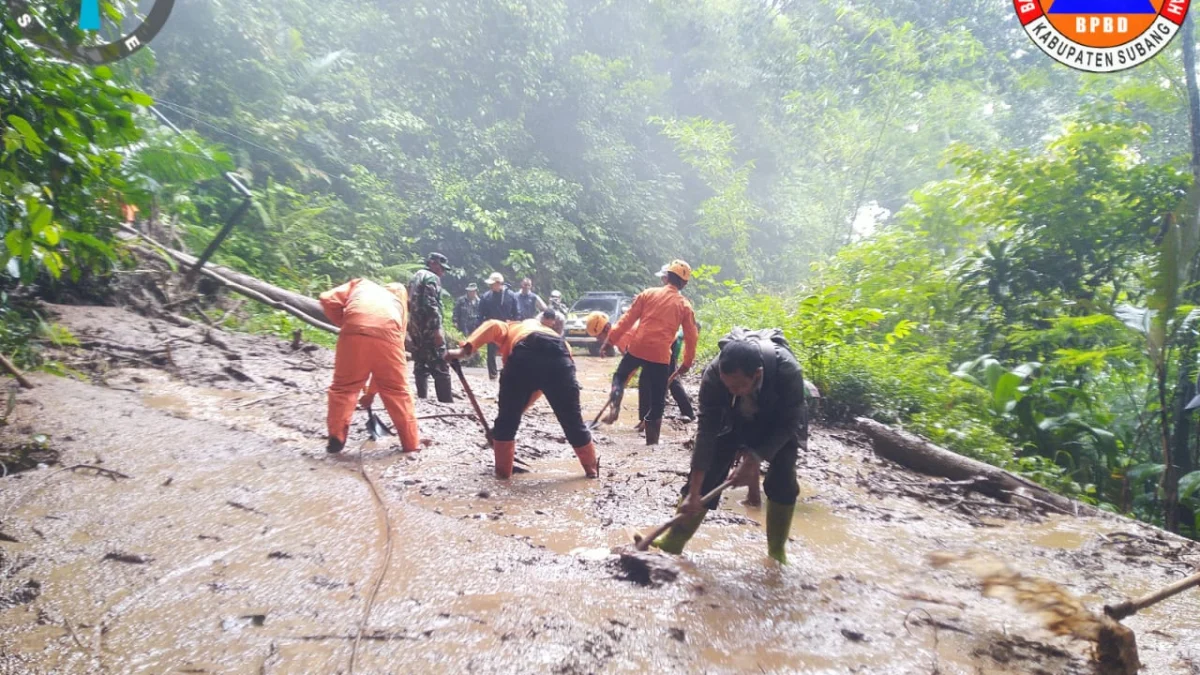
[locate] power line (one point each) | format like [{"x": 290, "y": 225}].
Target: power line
[{"x": 179, "y": 110}]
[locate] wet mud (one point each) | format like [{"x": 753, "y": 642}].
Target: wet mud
[{"x": 236, "y": 545}]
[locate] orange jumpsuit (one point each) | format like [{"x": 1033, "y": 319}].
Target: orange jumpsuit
[
  {"x": 373, "y": 320},
  {"x": 650, "y": 326},
  {"x": 651, "y": 323}
]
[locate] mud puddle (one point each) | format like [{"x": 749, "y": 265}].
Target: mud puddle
[{"x": 259, "y": 552}]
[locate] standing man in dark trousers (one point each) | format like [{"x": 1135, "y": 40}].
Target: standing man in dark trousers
[
  {"x": 652, "y": 321},
  {"x": 752, "y": 410},
  {"x": 428, "y": 340},
  {"x": 498, "y": 304}
]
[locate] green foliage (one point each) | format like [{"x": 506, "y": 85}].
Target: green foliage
[
  {"x": 61, "y": 168},
  {"x": 900, "y": 188}
]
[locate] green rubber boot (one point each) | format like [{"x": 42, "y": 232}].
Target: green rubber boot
[
  {"x": 678, "y": 536},
  {"x": 779, "y": 523}
]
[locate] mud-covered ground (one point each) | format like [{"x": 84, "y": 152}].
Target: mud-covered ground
[{"x": 235, "y": 545}]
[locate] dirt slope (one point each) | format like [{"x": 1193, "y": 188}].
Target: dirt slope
[{"x": 237, "y": 546}]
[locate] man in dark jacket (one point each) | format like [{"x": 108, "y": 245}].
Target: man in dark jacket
[
  {"x": 752, "y": 410},
  {"x": 499, "y": 304},
  {"x": 529, "y": 304},
  {"x": 466, "y": 311}
]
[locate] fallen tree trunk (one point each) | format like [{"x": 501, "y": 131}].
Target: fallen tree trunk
[
  {"x": 300, "y": 306},
  {"x": 922, "y": 456},
  {"x": 303, "y": 303}
]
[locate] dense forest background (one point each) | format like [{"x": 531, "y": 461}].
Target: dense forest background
[{"x": 957, "y": 234}]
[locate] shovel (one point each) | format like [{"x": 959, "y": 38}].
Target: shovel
[
  {"x": 642, "y": 543},
  {"x": 1130, "y": 607},
  {"x": 596, "y": 422},
  {"x": 487, "y": 432},
  {"x": 376, "y": 429}
]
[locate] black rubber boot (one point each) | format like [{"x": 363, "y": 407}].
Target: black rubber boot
[
  {"x": 334, "y": 446},
  {"x": 422, "y": 382},
  {"x": 614, "y": 410},
  {"x": 653, "y": 428},
  {"x": 441, "y": 384},
  {"x": 685, "y": 407}
]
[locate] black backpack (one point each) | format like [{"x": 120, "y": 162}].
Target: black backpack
[{"x": 767, "y": 339}]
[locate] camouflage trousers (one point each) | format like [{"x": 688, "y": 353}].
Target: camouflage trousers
[{"x": 428, "y": 360}]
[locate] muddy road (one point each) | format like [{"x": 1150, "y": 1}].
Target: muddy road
[{"x": 235, "y": 545}]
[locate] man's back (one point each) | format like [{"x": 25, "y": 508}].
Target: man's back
[
  {"x": 653, "y": 320},
  {"x": 424, "y": 297},
  {"x": 500, "y": 304}
]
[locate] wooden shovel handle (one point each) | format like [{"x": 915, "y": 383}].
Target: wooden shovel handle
[
  {"x": 487, "y": 432},
  {"x": 1124, "y": 609},
  {"x": 596, "y": 421},
  {"x": 657, "y": 532}
]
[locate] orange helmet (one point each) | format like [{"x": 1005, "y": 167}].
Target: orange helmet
[
  {"x": 681, "y": 268},
  {"x": 596, "y": 323}
]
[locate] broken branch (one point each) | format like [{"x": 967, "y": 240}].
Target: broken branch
[{"x": 12, "y": 370}]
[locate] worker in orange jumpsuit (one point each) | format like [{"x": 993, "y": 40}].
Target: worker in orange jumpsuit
[
  {"x": 652, "y": 321},
  {"x": 374, "y": 320},
  {"x": 536, "y": 359}
]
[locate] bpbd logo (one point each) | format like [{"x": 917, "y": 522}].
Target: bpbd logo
[
  {"x": 98, "y": 50},
  {"x": 1101, "y": 36}
]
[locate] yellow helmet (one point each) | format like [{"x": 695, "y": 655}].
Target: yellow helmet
[
  {"x": 681, "y": 268},
  {"x": 596, "y": 323}
]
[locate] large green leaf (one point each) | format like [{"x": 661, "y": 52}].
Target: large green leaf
[{"x": 1189, "y": 485}]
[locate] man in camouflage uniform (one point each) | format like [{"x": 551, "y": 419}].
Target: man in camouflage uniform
[{"x": 425, "y": 327}]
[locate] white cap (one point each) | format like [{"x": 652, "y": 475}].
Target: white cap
[
  {"x": 555, "y": 294},
  {"x": 496, "y": 278}
]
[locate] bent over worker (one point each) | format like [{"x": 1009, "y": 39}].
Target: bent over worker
[
  {"x": 536, "y": 359},
  {"x": 374, "y": 320},
  {"x": 653, "y": 320},
  {"x": 752, "y": 410}
]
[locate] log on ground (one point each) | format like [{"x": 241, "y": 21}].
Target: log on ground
[{"x": 922, "y": 456}]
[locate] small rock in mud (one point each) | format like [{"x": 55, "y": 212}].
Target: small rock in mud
[
  {"x": 483, "y": 494},
  {"x": 853, "y": 635},
  {"x": 279, "y": 555},
  {"x": 235, "y": 624},
  {"x": 647, "y": 568},
  {"x": 22, "y": 594},
  {"x": 131, "y": 558},
  {"x": 677, "y": 634}
]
